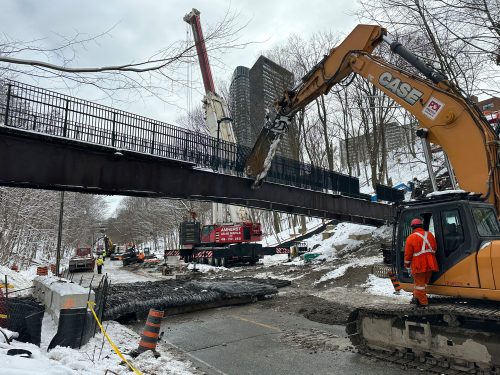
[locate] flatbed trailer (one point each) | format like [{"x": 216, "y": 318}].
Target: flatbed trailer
[{"x": 82, "y": 261}]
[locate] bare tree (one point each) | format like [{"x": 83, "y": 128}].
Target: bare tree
[
  {"x": 29, "y": 224},
  {"x": 460, "y": 37},
  {"x": 156, "y": 75}
]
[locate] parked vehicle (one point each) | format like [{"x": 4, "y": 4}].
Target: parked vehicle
[
  {"x": 221, "y": 244},
  {"x": 83, "y": 260}
]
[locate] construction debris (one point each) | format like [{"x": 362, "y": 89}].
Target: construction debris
[{"x": 169, "y": 295}]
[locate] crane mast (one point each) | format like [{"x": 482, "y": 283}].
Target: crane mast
[{"x": 216, "y": 113}]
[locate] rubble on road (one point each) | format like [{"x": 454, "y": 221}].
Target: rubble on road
[{"x": 139, "y": 297}]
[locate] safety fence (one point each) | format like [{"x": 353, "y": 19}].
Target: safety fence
[
  {"x": 32, "y": 108},
  {"x": 24, "y": 315}
]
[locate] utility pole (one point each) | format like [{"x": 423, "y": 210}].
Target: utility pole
[{"x": 59, "y": 235}]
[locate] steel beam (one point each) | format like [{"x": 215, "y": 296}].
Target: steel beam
[{"x": 39, "y": 161}]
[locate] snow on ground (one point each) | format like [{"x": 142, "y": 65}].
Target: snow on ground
[
  {"x": 17, "y": 280},
  {"x": 204, "y": 268},
  {"x": 343, "y": 238},
  {"x": 272, "y": 260},
  {"x": 94, "y": 358},
  {"x": 383, "y": 287},
  {"x": 402, "y": 168},
  {"x": 340, "y": 271},
  {"x": 288, "y": 233},
  {"x": 271, "y": 275}
]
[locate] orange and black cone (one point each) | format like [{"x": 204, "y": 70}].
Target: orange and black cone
[
  {"x": 395, "y": 281},
  {"x": 149, "y": 337}
]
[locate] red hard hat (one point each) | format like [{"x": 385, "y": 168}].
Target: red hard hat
[{"x": 416, "y": 222}]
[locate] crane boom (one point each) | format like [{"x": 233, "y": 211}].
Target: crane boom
[
  {"x": 447, "y": 118},
  {"x": 216, "y": 113},
  {"x": 193, "y": 18}
]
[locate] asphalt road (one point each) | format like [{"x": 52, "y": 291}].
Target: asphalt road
[{"x": 253, "y": 339}]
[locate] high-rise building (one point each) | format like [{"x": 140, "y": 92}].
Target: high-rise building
[
  {"x": 239, "y": 105},
  {"x": 252, "y": 92},
  {"x": 357, "y": 148}
]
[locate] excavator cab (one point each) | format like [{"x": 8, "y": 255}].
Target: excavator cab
[{"x": 467, "y": 233}]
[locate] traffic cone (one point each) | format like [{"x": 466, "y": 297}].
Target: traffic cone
[
  {"x": 149, "y": 337},
  {"x": 395, "y": 282}
]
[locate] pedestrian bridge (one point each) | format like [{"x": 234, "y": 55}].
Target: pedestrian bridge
[{"x": 53, "y": 141}]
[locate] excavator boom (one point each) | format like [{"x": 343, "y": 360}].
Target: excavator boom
[
  {"x": 462, "y": 337},
  {"x": 448, "y": 118}
]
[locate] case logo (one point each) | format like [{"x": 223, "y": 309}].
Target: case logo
[{"x": 402, "y": 89}]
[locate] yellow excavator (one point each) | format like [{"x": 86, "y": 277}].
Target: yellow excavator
[{"x": 461, "y": 332}]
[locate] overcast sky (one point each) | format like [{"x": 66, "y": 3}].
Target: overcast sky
[{"x": 143, "y": 27}]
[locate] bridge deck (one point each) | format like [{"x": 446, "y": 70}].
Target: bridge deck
[{"x": 53, "y": 141}]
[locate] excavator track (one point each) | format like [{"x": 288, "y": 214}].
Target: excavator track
[{"x": 448, "y": 337}]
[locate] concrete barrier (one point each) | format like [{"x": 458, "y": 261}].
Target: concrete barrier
[{"x": 57, "y": 293}]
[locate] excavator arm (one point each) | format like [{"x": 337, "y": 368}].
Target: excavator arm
[{"x": 446, "y": 117}]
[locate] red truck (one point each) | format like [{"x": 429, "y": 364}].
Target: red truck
[
  {"x": 83, "y": 260},
  {"x": 221, "y": 244}
]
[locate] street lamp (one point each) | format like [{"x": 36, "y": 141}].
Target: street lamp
[{"x": 218, "y": 135}]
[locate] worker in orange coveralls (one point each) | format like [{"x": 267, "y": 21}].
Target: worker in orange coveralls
[{"x": 420, "y": 260}]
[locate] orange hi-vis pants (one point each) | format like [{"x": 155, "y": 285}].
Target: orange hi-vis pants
[{"x": 420, "y": 285}]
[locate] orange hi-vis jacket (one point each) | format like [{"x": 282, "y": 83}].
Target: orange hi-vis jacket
[{"x": 420, "y": 252}]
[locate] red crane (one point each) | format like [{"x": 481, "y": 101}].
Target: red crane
[{"x": 193, "y": 18}]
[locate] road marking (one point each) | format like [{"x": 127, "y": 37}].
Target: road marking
[
  {"x": 256, "y": 323},
  {"x": 194, "y": 357}
]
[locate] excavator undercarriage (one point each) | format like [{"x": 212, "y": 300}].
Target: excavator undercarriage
[{"x": 448, "y": 337}]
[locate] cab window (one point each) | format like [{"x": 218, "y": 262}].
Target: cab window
[
  {"x": 453, "y": 232},
  {"x": 486, "y": 221},
  {"x": 206, "y": 230}
]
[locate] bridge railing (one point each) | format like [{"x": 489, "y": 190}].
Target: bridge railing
[{"x": 32, "y": 108}]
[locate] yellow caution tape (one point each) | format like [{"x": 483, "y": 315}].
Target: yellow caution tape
[
  {"x": 115, "y": 348},
  {"x": 3, "y": 316}
]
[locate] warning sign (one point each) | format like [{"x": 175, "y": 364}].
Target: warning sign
[{"x": 432, "y": 108}]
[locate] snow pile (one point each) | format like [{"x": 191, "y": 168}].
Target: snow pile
[
  {"x": 272, "y": 260},
  {"x": 7, "y": 335},
  {"x": 346, "y": 238},
  {"x": 445, "y": 192},
  {"x": 383, "y": 287},
  {"x": 401, "y": 166},
  {"x": 205, "y": 268},
  {"x": 289, "y": 232},
  {"x": 92, "y": 359},
  {"x": 340, "y": 271},
  {"x": 17, "y": 279},
  {"x": 270, "y": 275},
  {"x": 61, "y": 286}
]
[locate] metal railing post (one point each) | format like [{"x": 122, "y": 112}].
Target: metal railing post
[
  {"x": 7, "y": 105},
  {"x": 65, "y": 129},
  {"x": 153, "y": 140},
  {"x": 113, "y": 131}
]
